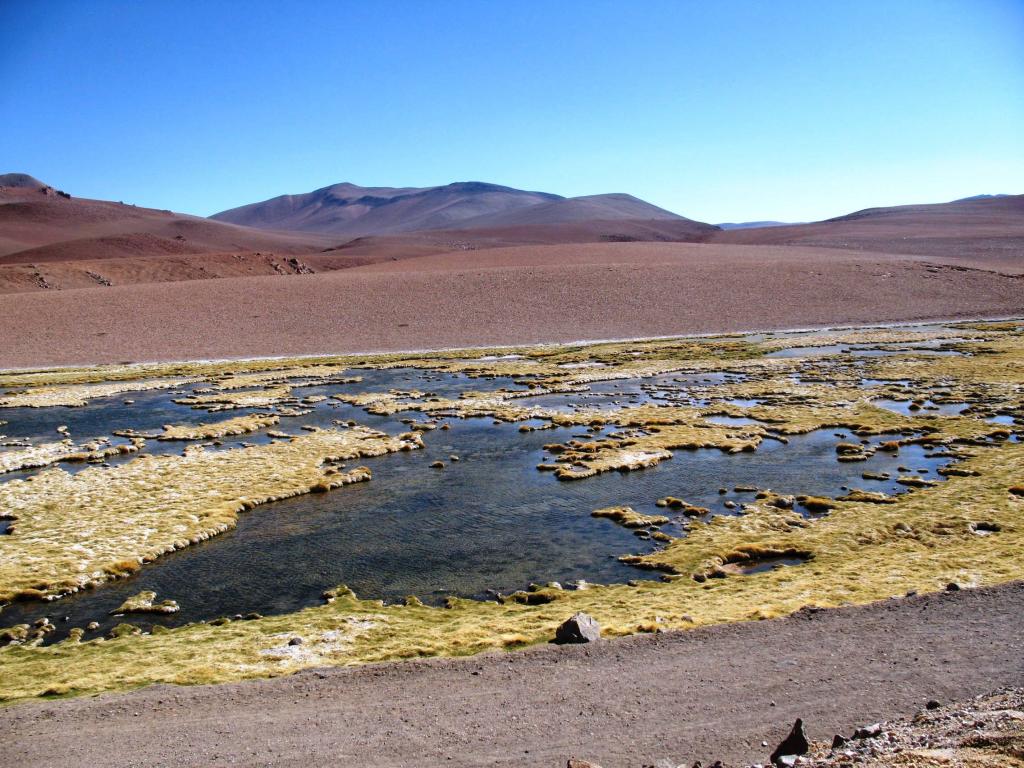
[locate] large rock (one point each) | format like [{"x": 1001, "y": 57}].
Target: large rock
[
  {"x": 578, "y": 628},
  {"x": 794, "y": 744}
]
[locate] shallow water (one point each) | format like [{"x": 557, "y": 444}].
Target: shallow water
[
  {"x": 490, "y": 521},
  {"x": 927, "y": 408}
]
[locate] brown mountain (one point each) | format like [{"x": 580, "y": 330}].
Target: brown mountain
[
  {"x": 49, "y": 239},
  {"x": 39, "y": 223},
  {"x": 985, "y": 230}
]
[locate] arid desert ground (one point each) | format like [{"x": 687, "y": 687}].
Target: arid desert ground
[{"x": 99, "y": 282}]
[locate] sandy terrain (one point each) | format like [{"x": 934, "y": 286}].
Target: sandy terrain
[
  {"x": 128, "y": 270},
  {"x": 706, "y": 694},
  {"x": 498, "y": 296},
  {"x": 147, "y": 258}
]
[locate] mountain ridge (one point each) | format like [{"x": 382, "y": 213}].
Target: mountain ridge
[{"x": 348, "y": 209}]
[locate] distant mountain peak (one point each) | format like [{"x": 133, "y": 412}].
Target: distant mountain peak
[
  {"x": 753, "y": 224},
  {"x": 349, "y": 209},
  {"x": 21, "y": 180},
  {"x": 979, "y": 197}
]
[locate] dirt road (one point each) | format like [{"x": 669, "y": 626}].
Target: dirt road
[{"x": 707, "y": 694}]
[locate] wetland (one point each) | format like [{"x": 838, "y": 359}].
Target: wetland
[{"x": 382, "y": 507}]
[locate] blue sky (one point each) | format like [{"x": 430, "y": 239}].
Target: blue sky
[{"x": 721, "y": 111}]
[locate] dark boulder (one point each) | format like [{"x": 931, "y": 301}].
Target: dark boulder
[{"x": 794, "y": 744}]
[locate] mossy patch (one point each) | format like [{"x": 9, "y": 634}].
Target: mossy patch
[
  {"x": 81, "y": 394},
  {"x": 146, "y": 602},
  {"x": 240, "y": 425},
  {"x": 629, "y": 517}
]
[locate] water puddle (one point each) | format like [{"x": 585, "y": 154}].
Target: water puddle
[{"x": 921, "y": 407}]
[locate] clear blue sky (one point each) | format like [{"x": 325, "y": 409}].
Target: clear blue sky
[{"x": 721, "y": 111}]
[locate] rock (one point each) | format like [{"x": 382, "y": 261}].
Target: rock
[
  {"x": 838, "y": 741},
  {"x": 296, "y": 641},
  {"x": 437, "y": 465},
  {"x": 578, "y": 628},
  {"x": 577, "y": 763},
  {"x": 952, "y": 587},
  {"x": 848, "y": 448},
  {"x": 868, "y": 731},
  {"x": 793, "y": 745},
  {"x": 932, "y": 704}
]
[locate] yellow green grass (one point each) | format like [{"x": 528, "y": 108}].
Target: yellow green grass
[
  {"x": 629, "y": 517},
  {"x": 240, "y": 425},
  {"x": 227, "y": 400},
  {"x": 44, "y": 454},
  {"x": 81, "y": 394},
  {"x": 72, "y": 531},
  {"x": 146, "y": 602}
]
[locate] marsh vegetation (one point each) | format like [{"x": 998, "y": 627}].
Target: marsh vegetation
[{"x": 654, "y": 484}]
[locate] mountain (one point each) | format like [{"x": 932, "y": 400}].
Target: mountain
[
  {"x": 352, "y": 210},
  {"x": 610, "y": 207},
  {"x": 752, "y": 224},
  {"x": 979, "y": 197},
  {"x": 39, "y": 223},
  {"x": 21, "y": 181},
  {"x": 977, "y": 209},
  {"x": 49, "y": 239},
  {"x": 984, "y": 231}
]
